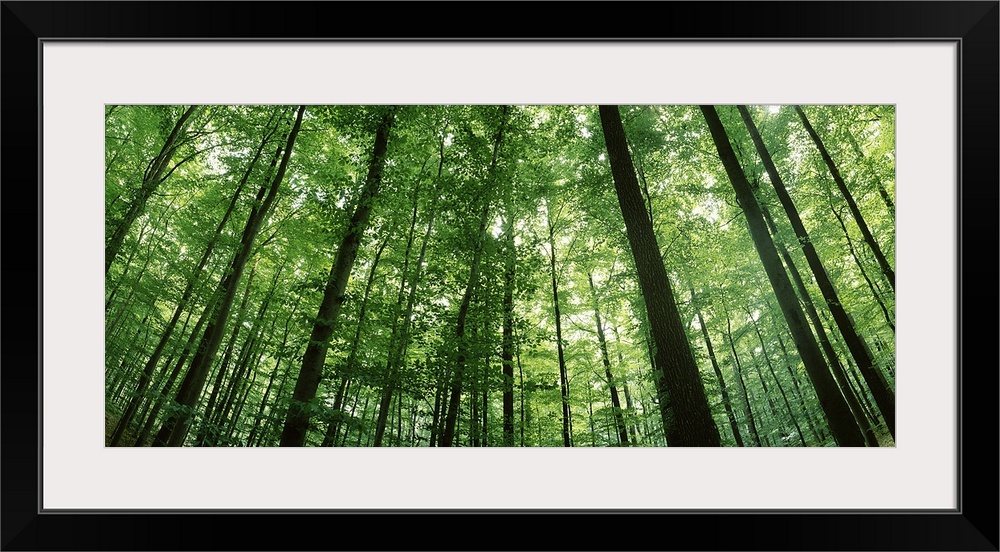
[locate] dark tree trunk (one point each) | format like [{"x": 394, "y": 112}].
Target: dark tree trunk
[
  {"x": 882, "y": 192},
  {"x": 738, "y": 369},
  {"x": 869, "y": 239},
  {"x": 605, "y": 358},
  {"x": 507, "y": 341},
  {"x": 680, "y": 379},
  {"x": 297, "y": 421},
  {"x": 448, "y": 435},
  {"x": 350, "y": 365},
  {"x": 841, "y": 420},
  {"x": 217, "y": 389},
  {"x": 884, "y": 397},
  {"x": 824, "y": 340},
  {"x": 401, "y": 341},
  {"x": 151, "y": 180},
  {"x": 396, "y": 341},
  {"x": 256, "y": 429},
  {"x": 563, "y": 377},
  {"x": 770, "y": 367},
  {"x": 173, "y": 431},
  {"x": 628, "y": 395},
  {"x": 718, "y": 375},
  {"x": 798, "y": 393},
  {"x": 172, "y": 377},
  {"x": 154, "y": 359},
  {"x": 876, "y": 292}
]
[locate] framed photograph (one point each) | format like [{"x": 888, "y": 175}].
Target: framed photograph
[{"x": 922, "y": 75}]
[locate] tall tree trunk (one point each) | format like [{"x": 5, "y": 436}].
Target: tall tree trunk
[
  {"x": 802, "y": 401},
  {"x": 173, "y": 431},
  {"x": 876, "y": 292},
  {"x": 841, "y": 420},
  {"x": 401, "y": 342},
  {"x": 824, "y": 340},
  {"x": 396, "y": 342},
  {"x": 770, "y": 367},
  {"x": 563, "y": 377},
  {"x": 351, "y": 364},
  {"x": 172, "y": 377},
  {"x": 885, "y": 398},
  {"x": 217, "y": 389},
  {"x": 256, "y": 429},
  {"x": 189, "y": 287},
  {"x": 297, "y": 421},
  {"x": 151, "y": 179},
  {"x": 680, "y": 379},
  {"x": 628, "y": 395},
  {"x": 718, "y": 375},
  {"x": 605, "y": 358},
  {"x": 869, "y": 239},
  {"x": 448, "y": 435},
  {"x": 879, "y": 185},
  {"x": 507, "y": 340},
  {"x": 738, "y": 369}
]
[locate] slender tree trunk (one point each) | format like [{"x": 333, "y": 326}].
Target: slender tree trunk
[
  {"x": 718, "y": 375},
  {"x": 869, "y": 239},
  {"x": 173, "y": 431},
  {"x": 776, "y": 420},
  {"x": 679, "y": 376},
  {"x": 255, "y": 430},
  {"x": 151, "y": 180},
  {"x": 396, "y": 341},
  {"x": 297, "y": 421},
  {"x": 520, "y": 375},
  {"x": 737, "y": 368},
  {"x": 876, "y": 293},
  {"x": 882, "y": 192},
  {"x": 507, "y": 341},
  {"x": 770, "y": 367},
  {"x": 563, "y": 378},
  {"x": 628, "y": 395},
  {"x": 217, "y": 389},
  {"x": 351, "y": 364},
  {"x": 603, "y": 344},
  {"x": 798, "y": 393},
  {"x": 189, "y": 287},
  {"x": 436, "y": 415},
  {"x": 884, "y": 397},
  {"x": 841, "y": 420},
  {"x": 448, "y": 435},
  {"x": 824, "y": 341}
]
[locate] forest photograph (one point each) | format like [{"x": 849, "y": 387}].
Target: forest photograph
[{"x": 499, "y": 275}]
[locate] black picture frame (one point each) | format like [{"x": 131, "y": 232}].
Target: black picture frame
[{"x": 973, "y": 525}]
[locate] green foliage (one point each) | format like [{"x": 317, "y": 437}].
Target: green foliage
[{"x": 551, "y": 169}]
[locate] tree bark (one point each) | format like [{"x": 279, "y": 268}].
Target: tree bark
[
  {"x": 885, "y": 398},
  {"x": 448, "y": 435},
  {"x": 297, "y": 421},
  {"x": 869, "y": 239},
  {"x": 151, "y": 180},
  {"x": 154, "y": 359},
  {"x": 173, "y": 431},
  {"x": 841, "y": 420},
  {"x": 680, "y": 380},
  {"x": 824, "y": 340},
  {"x": 401, "y": 341},
  {"x": 616, "y": 404},
  {"x": 738, "y": 369},
  {"x": 718, "y": 375},
  {"x": 563, "y": 377}
]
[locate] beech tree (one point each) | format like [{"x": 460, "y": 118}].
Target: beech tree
[{"x": 498, "y": 275}]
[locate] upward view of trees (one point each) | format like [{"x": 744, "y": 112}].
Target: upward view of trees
[{"x": 500, "y": 275}]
